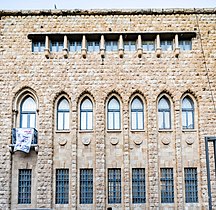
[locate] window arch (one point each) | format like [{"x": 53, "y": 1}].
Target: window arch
[
  {"x": 164, "y": 113},
  {"x": 187, "y": 113},
  {"x": 28, "y": 113},
  {"x": 137, "y": 114},
  {"x": 113, "y": 112},
  {"x": 63, "y": 113},
  {"x": 86, "y": 114}
]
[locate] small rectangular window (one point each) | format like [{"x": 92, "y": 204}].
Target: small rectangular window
[
  {"x": 130, "y": 45},
  {"x": 185, "y": 45},
  {"x": 148, "y": 45},
  {"x": 167, "y": 186},
  {"x": 38, "y": 46},
  {"x": 86, "y": 186},
  {"x": 191, "y": 189},
  {"x": 75, "y": 46},
  {"x": 62, "y": 186},
  {"x": 24, "y": 186},
  {"x": 56, "y": 46},
  {"x": 138, "y": 185},
  {"x": 111, "y": 45},
  {"x": 167, "y": 45},
  {"x": 93, "y": 46},
  {"x": 114, "y": 185}
]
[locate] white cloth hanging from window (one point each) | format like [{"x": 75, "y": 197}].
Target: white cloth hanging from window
[{"x": 24, "y": 138}]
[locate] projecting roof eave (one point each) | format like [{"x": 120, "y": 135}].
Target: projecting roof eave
[{"x": 64, "y": 12}]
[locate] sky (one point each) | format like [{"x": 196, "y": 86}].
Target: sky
[{"x": 104, "y": 4}]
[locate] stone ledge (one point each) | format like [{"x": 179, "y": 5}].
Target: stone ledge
[{"x": 65, "y": 12}]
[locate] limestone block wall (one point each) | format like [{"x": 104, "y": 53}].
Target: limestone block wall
[{"x": 22, "y": 71}]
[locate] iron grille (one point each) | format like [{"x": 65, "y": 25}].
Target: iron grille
[
  {"x": 114, "y": 185},
  {"x": 24, "y": 188},
  {"x": 62, "y": 186},
  {"x": 191, "y": 193},
  {"x": 138, "y": 185},
  {"x": 34, "y": 140},
  {"x": 167, "y": 187},
  {"x": 86, "y": 186}
]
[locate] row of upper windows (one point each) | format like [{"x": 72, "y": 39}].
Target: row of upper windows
[
  {"x": 86, "y": 186},
  {"x": 28, "y": 114},
  {"x": 94, "y": 46}
]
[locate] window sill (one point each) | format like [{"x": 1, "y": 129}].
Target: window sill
[
  {"x": 34, "y": 146},
  {"x": 137, "y": 131},
  {"x": 62, "y": 131},
  {"x": 114, "y": 131},
  {"x": 86, "y": 131},
  {"x": 189, "y": 130},
  {"x": 165, "y": 130}
]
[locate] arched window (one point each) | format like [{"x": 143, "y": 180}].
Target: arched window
[
  {"x": 113, "y": 122},
  {"x": 164, "y": 113},
  {"x": 137, "y": 114},
  {"x": 187, "y": 113},
  {"x": 28, "y": 113},
  {"x": 63, "y": 113},
  {"x": 86, "y": 115}
]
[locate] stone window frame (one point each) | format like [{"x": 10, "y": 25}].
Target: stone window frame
[
  {"x": 120, "y": 114},
  {"x": 87, "y": 128},
  {"x": 61, "y": 96},
  {"x": 171, "y": 112},
  {"x": 142, "y": 99},
  {"x": 195, "y": 112},
  {"x": 80, "y": 100},
  {"x": 20, "y": 96}
]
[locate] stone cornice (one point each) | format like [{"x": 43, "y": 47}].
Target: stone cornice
[{"x": 64, "y": 12}]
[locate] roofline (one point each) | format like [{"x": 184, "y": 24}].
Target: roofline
[{"x": 64, "y": 12}]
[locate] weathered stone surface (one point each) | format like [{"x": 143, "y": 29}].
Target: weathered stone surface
[{"x": 76, "y": 77}]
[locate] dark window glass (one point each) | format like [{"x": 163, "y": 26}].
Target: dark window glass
[
  {"x": 138, "y": 185},
  {"x": 191, "y": 189},
  {"x": 24, "y": 188},
  {"x": 167, "y": 185},
  {"x": 62, "y": 186},
  {"x": 86, "y": 186},
  {"x": 114, "y": 185}
]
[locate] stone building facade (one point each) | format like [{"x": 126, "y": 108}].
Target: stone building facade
[{"x": 121, "y": 102}]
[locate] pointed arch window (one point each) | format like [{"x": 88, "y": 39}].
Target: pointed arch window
[
  {"x": 187, "y": 113},
  {"x": 113, "y": 122},
  {"x": 137, "y": 114},
  {"x": 63, "y": 113},
  {"x": 164, "y": 113},
  {"x": 28, "y": 113},
  {"x": 86, "y": 115}
]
